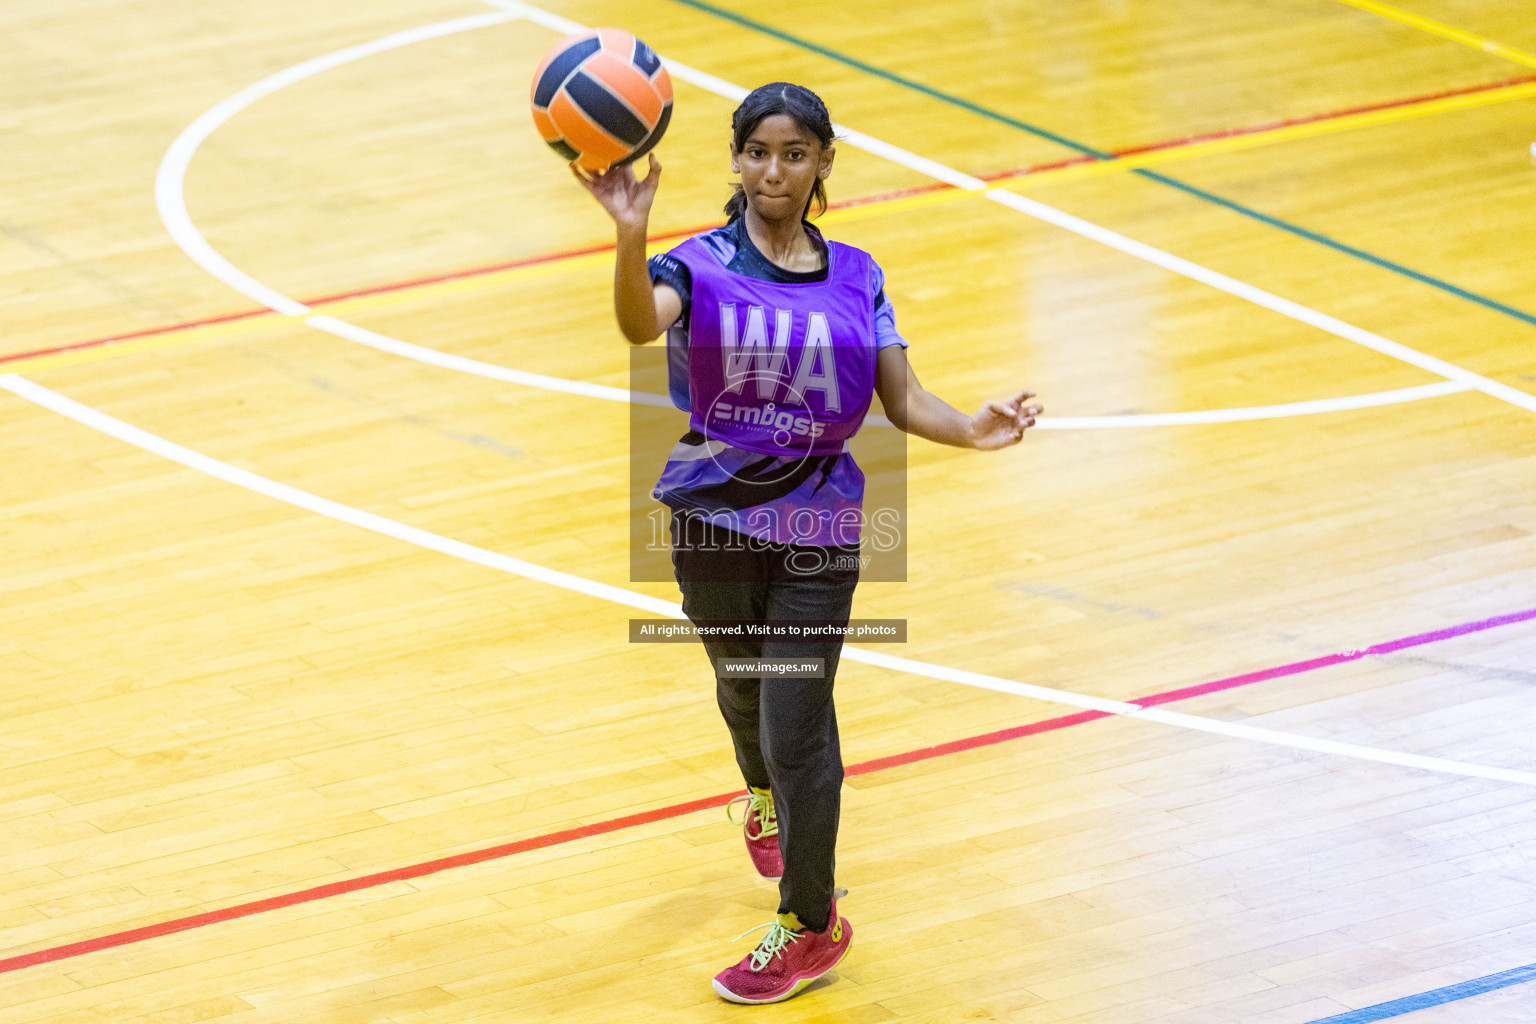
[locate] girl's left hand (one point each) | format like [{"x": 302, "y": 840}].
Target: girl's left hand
[
  {"x": 626, "y": 198},
  {"x": 1000, "y": 424}
]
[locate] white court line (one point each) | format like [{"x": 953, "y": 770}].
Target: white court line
[
  {"x": 172, "y": 174},
  {"x": 1294, "y": 310},
  {"x": 116, "y": 428},
  {"x": 1257, "y": 412},
  {"x": 385, "y": 343},
  {"x": 169, "y": 197},
  {"x": 1088, "y": 229}
]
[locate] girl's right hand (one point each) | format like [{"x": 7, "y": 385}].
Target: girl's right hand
[{"x": 626, "y": 198}]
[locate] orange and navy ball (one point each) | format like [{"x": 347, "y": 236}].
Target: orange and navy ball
[{"x": 601, "y": 98}]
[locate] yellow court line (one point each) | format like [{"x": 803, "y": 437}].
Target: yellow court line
[
  {"x": 1286, "y": 133},
  {"x": 265, "y": 320},
  {"x": 603, "y": 259},
  {"x": 166, "y": 340},
  {"x": 1445, "y": 31},
  {"x": 466, "y": 284},
  {"x": 901, "y": 204},
  {"x": 1074, "y": 172}
]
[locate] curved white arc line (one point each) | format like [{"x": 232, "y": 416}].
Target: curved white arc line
[
  {"x": 461, "y": 364},
  {"x": 170, "y": 180},
  {"x": 1129, "y": 246},
  {"x": 537, "y": 15},
  {"x": 1087, "y": 229},
  {"x": 171, "y": 177},
  {"x": 113, "y": 427},
  {"x": 394, "y": 346},
  {"x": 565, "y": 26},
  {"x": 146, "y": 441},
  {"x": 1257, "y": 412},
  {"x": 1260, "y": 297}
]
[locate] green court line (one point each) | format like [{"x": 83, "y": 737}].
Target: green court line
[{"x": 1098, "y": 154}]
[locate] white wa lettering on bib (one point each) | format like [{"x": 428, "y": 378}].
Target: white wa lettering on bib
[{"x": 748, "y": 354}]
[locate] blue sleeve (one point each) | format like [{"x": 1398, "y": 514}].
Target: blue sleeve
[
  {"x": 885, "y": 316},
  {"x": 669, "y": 270}
]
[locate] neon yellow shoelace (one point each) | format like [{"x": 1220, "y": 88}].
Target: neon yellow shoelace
[
  {"x": 767, "y": 819},
  {"x": 773, "y": 944}
]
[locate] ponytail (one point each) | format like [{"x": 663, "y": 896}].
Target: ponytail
[{"x": 736, "y": 205}]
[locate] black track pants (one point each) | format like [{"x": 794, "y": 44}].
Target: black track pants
[{"x": 784, "y": 730}]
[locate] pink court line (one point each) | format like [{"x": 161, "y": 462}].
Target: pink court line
[
  {"x": 432, "y": 867},
  {"x": 1021, "y": 172}
]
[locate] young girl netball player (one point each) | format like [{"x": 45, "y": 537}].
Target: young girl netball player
[{"x": 778, "y": 339}]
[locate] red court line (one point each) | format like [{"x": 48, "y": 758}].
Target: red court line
[
  {"x": 148, "y": 332},
  {"x": 432, "y": 867},
  {"x": 1020, "y": 172},
  {"x": 1227, "y": 133},
  {"x": 494, "y": 268}
]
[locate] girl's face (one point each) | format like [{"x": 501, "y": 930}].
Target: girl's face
[{"x": 779, "y": 165}]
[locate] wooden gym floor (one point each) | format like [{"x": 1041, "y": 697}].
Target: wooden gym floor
[{"x": 344, "y": 612}]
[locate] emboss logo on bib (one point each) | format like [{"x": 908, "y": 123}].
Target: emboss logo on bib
[{"x": 768, "y": 416}]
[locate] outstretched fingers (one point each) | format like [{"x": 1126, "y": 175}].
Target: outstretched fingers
[
  {"x": 647, "y": 186},
  {"x": 1009, "y": 419},
  {"x": 1018, "y": 400},
  {"x": 1025, "y": 413},
  {"x": 588, "y": 181}
]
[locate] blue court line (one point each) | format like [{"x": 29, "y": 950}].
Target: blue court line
[
  {"x": 1062, "y": 140},
  {"x": 1434, "y": 997}
]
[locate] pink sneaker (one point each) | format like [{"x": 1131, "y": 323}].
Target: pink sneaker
[
  {"x": 786, "y": 961},
  {"x": 760, "y": 828}
]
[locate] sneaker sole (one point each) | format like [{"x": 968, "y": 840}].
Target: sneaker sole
[
  {"x": 794, "y": 990},
  {"x": 760, "y": 874}
]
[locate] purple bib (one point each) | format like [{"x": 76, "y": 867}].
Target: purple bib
[{"x": 780, "y": 369}]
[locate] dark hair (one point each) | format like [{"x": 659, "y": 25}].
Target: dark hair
[{"x": 795, "y": 101}]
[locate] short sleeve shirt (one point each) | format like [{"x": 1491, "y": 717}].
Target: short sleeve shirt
[
  {"x": 722, "y": 483},
  {"x": 736, "y": 252}
]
